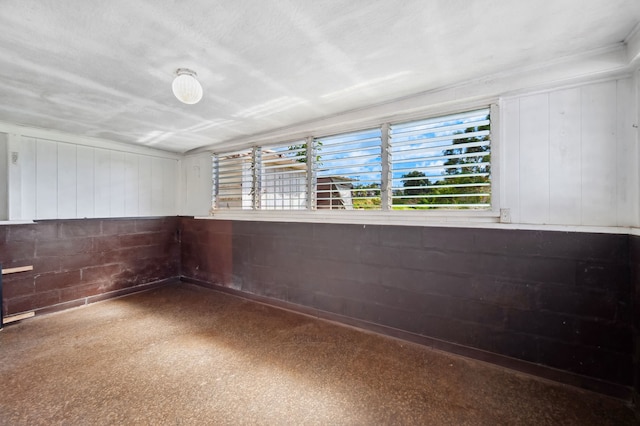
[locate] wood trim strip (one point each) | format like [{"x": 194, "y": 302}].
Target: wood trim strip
[{"x": 17, "y": 269}]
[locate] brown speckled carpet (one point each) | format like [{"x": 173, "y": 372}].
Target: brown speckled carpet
[{"x": 183, "y": 355}]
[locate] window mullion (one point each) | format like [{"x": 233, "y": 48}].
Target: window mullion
[
  {"x": 311, "y": 173},
  {"x": 256, "y": 167},
  {"x": 215, "y": 176},
  {"x": 385, "y": 190}
]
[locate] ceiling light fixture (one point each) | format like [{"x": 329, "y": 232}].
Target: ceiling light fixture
[{"x": 186, "y": 87}]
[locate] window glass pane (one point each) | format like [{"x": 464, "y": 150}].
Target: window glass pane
[
  {"x": 348, "y": 171},
  {"x": 442, "y": 162},
  {"x": 283, "y": 177},
  {"x": 232, "y": 180}
]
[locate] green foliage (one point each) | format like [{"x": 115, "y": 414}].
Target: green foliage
[
  {"x": 411, "y": 184},
  {"x": 366, "y": 197},
  {"x": 303, "y": 153},
  {"x": 443, "y": 190}
]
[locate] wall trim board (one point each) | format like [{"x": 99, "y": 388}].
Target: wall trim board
[{"x": 525, "y": 367}]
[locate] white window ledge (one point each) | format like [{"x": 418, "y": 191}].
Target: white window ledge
[{"x": 459, "y": 219}]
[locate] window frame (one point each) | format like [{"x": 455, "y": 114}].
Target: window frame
[{"x": 386, "y": 215}]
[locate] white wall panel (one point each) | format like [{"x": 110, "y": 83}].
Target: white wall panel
[
  {"x": 85, "y": 171},
  {"x": 4, "y": 176},
  {"x": 626, "y": 155},
  {"x": 144, "y": 201},
  {"x": 570, "y": 156},
  {"x": 131, "y": 184},
  {"x": 27, "y": 159},
  {"x": 14, "y": 183},
  {"x": 67, "y": 196},
  {"x": 102, "y": 183},
  {"x": 599, "y": 154},
  {"x": 169, "y": 186},
  {"x": 534, "y": 159},
  {"x": 157, "y": 196},
  {"x": 46, "y": 179},
  {"x": 195, "y": 195},
  {"x": 60, "y": 180},
  {"x": 565, "y": 165},
  {"x": 117, "y": 179},
  {"x": 510, "y": 161}
]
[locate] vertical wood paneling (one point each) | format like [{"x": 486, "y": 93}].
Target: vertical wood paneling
[
  {"x": 67, "y": 181},
  {"x": 53, "y": 179},
  {"x": 4, "y": 176},
  {"x": 102, "y": 183},
  {"x": 157, "y": 197},
  {"x": 636, "y": 141},
  {"x": 636, "y": 138},
  {"x": 534, "y": 159},
  {"x": 85, "y": 182},
  {"x": 510, "y": 160},
  {"x": 599, "y": 154},
  {"x": 627, "y": 201},
  {"x": 169, "y": 185},
  {"x": 131, "y": 185},
  {"x": 196, "y": 185},
  {"x": 565, "y": 157},
  {"x": 144, "y": 200},
  {"x": 28, "y": 178},
  {"x": 14, "y": 188},
  {"x": 46, "y": 179},
  {"x": 116, "y": 196}
]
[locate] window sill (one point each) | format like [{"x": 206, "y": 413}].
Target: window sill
[
  {"x": 459, "y": 219},
  {"x": 450, "y": 218}
]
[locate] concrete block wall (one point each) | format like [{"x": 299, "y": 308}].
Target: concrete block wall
[
  {"x": 78, "y": 260},
  {"x": 634, "y": 254},
  {"x": 564, "y": 300},
  {"x": 558, "y": 299}
]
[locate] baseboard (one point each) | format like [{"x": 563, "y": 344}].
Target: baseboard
[
  {"x": 526, "y": 367},
  {"x": 102, "y": 296}
]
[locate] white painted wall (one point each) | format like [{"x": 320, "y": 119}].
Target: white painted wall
[
  {"x": 636, "y": 169},
  {"x": 196, "y": 185},
  {"x": 57, "y": 179},
  {"x": 4, "y": 214},
  {"x": 570, "y": 156}
]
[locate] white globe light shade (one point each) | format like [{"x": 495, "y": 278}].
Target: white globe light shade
[{"x": 186, "y": 87}]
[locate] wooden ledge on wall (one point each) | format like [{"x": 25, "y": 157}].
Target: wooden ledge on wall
[
  {"x": 17, "y": 317},
  {"x": 17, "y": 269}
]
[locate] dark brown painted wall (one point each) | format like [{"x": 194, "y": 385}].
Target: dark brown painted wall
[
  {"x": 634, "y": 261},
  {"x": 77, "y": 259},
  {"x": 563, "y": 300},
  {"x": 553, "y": 298}
]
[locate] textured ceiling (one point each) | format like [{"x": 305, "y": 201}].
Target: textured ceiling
[{"x": 104, "y": 68}]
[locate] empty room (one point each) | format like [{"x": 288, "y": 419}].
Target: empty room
[{"x": 331, "y": 212}]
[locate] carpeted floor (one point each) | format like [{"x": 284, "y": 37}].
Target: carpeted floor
[{"x": 184, "y": 355}]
